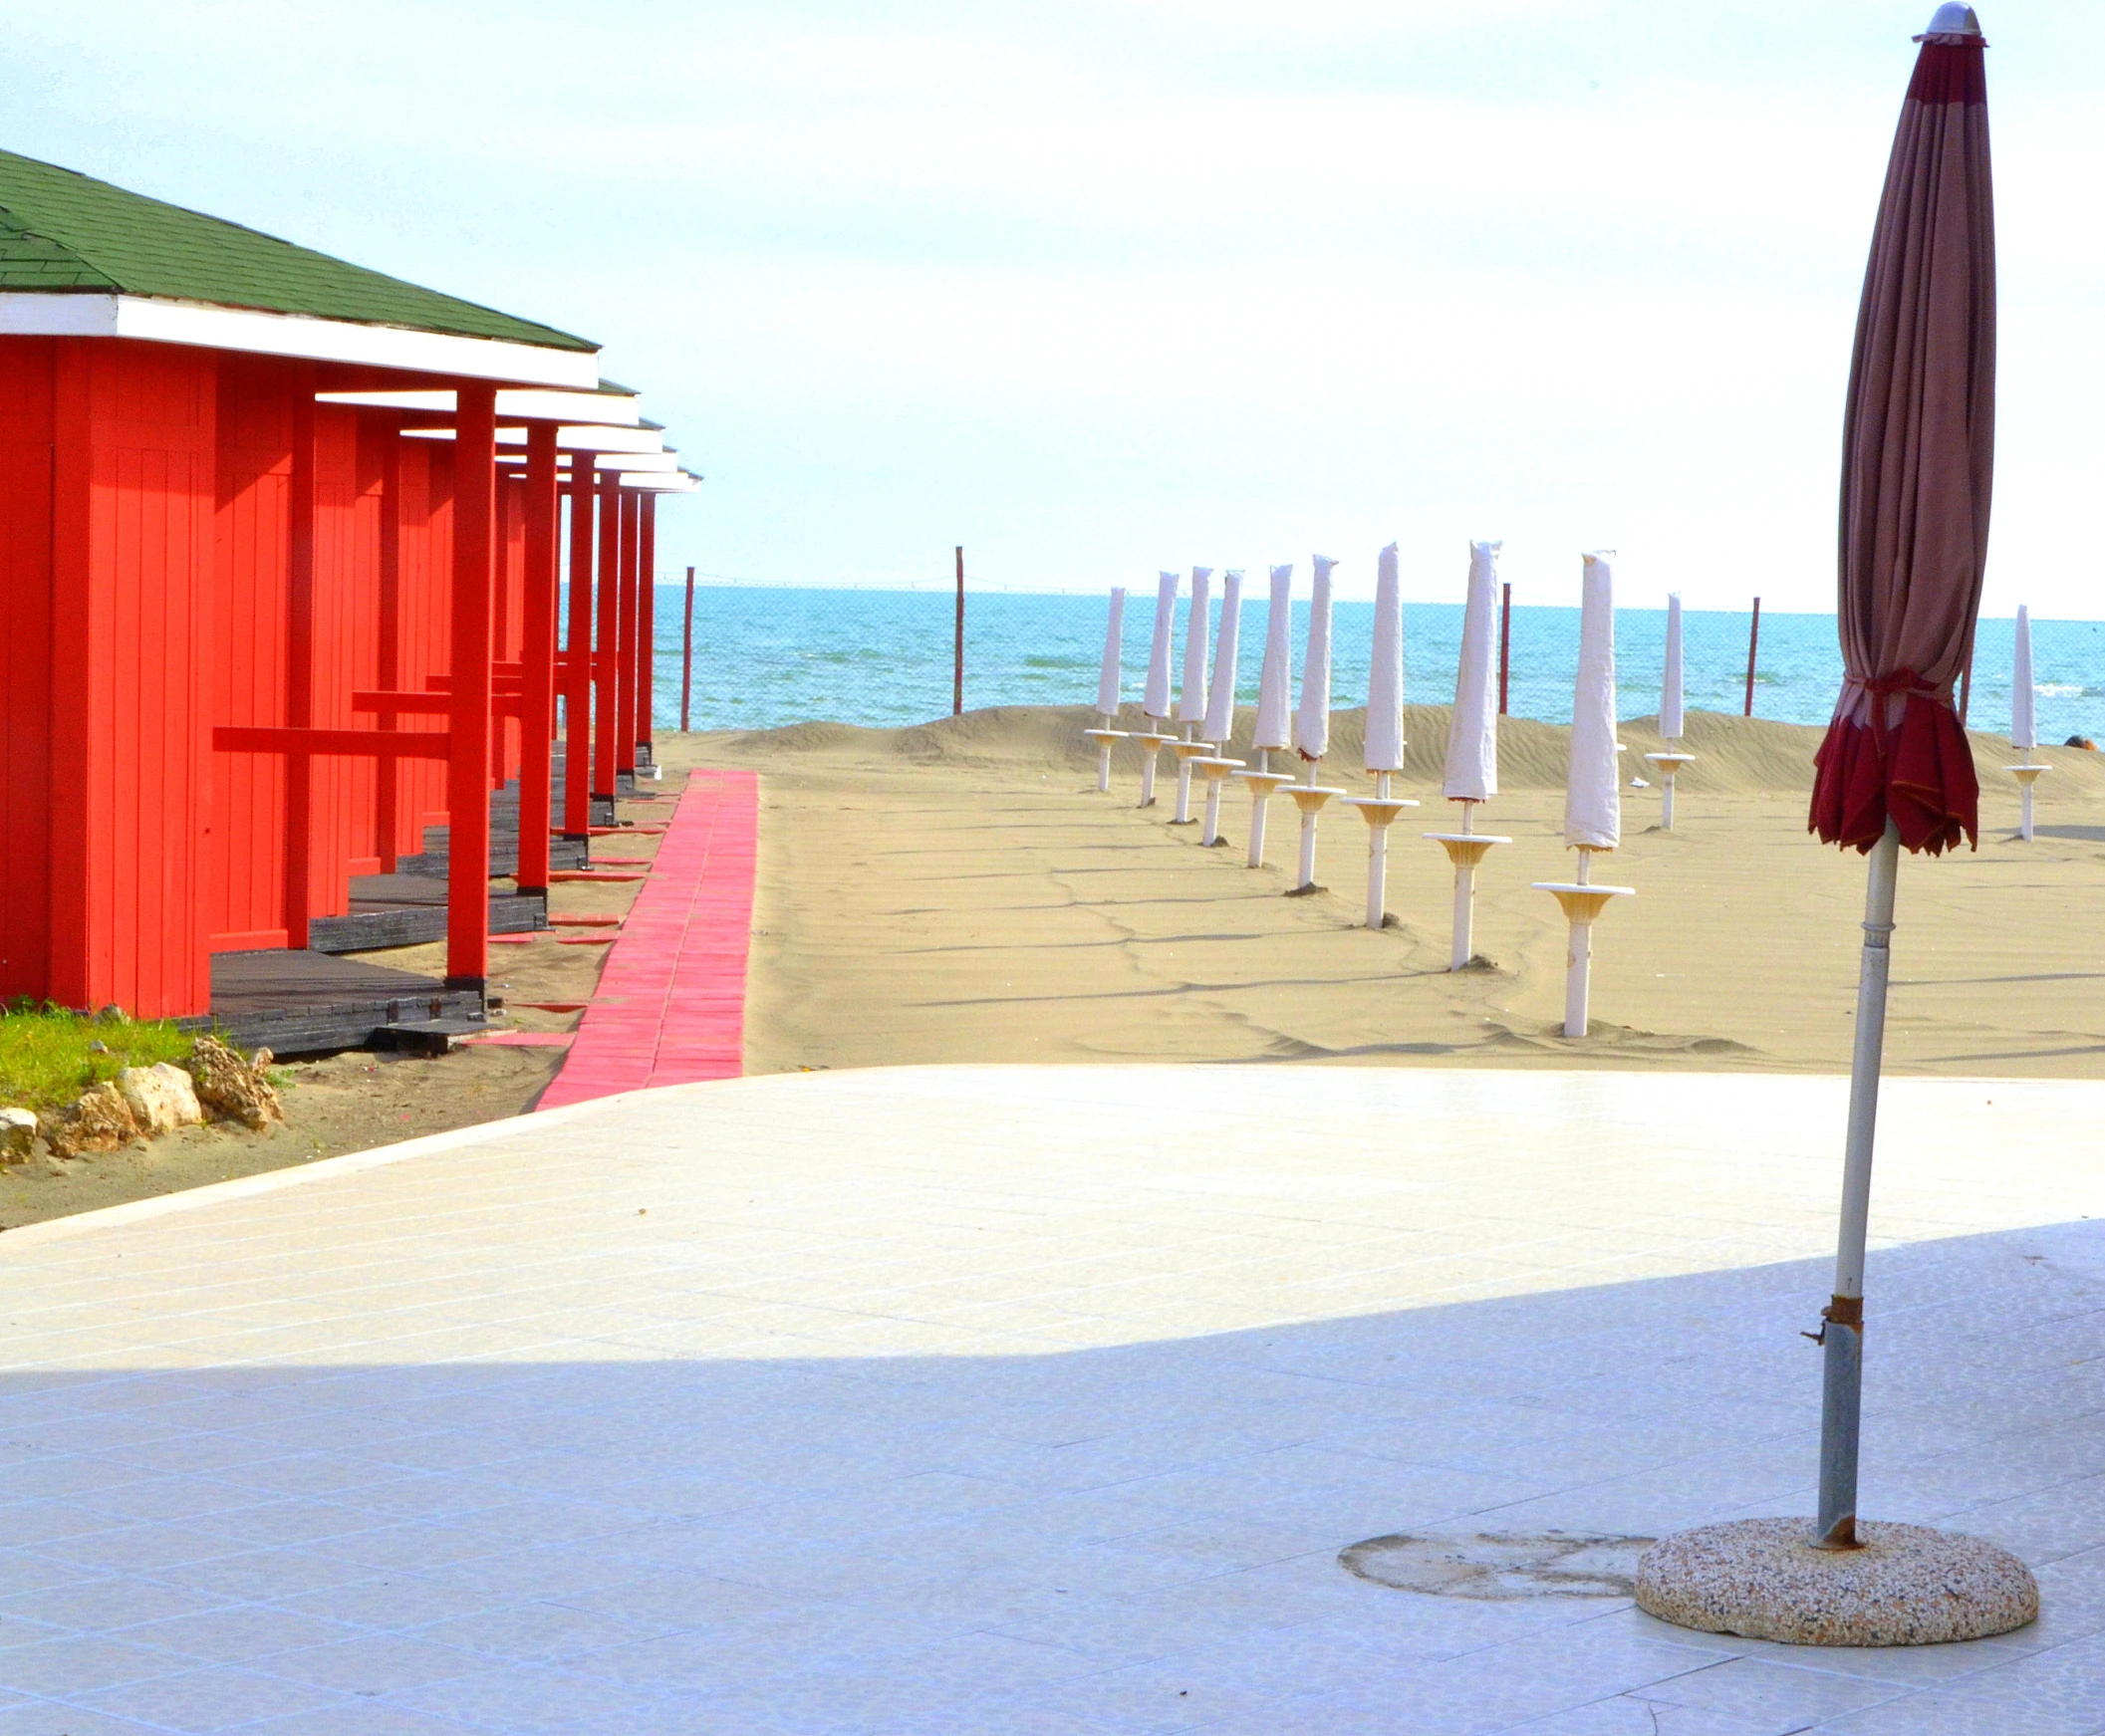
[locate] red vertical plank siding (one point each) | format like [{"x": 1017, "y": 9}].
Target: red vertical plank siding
[
  {"x": 475, "y": 553},
  {"x": 132, "y": 502},
  {"x": 345, "y": 606},
  {"x": 26, "y": 384},
  {"x": 246, "y": 674},
  {"x": 386, "y": 444}
]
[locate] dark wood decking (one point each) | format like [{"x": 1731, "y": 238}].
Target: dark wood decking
[
  {"x": 303, "y": 1003},
  {"x": 406, "y": 909}
]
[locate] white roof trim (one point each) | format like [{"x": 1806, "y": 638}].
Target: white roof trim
[
  {"x": 613, "y": 409},
  {"x": 29, "y": 313}
]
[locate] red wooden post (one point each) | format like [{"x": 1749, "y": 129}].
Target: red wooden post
[
  {"x": 625, "y": 642},
  {"x": 645, "y": 624},
  {"x": 299, "y": 661},
  {"x": 602, "y": 731},
  {"x": 386, "y": 782},
  {"x": 957, "y": 659},
  {"x": 537, "y": 716},
  {"x": 1753, "y": 638},
  {"x": 686, "y": 655},
  {"x": 468, "y": 761},
  {"x": 577, "y": 670},
  {"x": 1506, "y": 642}
]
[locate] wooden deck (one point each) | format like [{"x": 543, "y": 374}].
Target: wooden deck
[
  {"x": 408, "y": 909},
  {"x": 304, "y": 1003}
]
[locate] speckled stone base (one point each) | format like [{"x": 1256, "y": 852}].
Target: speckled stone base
[{"x": 1907, "y": 1584}]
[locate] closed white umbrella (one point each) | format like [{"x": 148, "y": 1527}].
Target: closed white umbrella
[
  {"x": 1108, "y": 679},
  {"x": 1191, "y": 697},
  {"x": 1312, "y": 722},
  {"x": 2024, "y": 722},
  {"x": 1384, "y": 756},
  {"x": 1155, "y": 702},
  {"x": 1220, "y": 724},
  {"x": 1273, "y": 731},
  {"x": 1472, "y": 772},
  {"x": 1670, "y": 716},
  {"x": 1593, "y": 812},
  {"x": 1191, "y": 700}
]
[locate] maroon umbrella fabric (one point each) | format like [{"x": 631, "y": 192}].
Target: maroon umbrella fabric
[{"x": 1918, "y": 456}]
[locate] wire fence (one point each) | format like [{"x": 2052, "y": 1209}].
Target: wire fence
[{"x": 768, "y": 656}]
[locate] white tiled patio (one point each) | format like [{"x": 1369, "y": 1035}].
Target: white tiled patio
[{"x": 1018, "y": 1399}]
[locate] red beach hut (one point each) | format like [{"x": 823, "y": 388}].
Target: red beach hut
[{"x": 262, "y": 629}]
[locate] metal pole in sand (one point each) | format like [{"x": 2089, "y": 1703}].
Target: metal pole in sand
[
  {"x": 1465, "y": 849},
  {"x": 1192, "y": 698},
  {"x": 1155, "y": 699},
  {"x": 1671, "y": 720},
  {"x": 1312, "y": 726},
  {"x": 1383, "y": 755}
]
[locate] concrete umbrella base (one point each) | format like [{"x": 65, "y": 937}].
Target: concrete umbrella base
[{"x": 1906, "y": 1584}]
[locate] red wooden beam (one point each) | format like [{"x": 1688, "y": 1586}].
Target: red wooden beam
[
  {"x": 299, "y": 744},
  {"x": 624, "y": 655},
  {"x": 603, "y": 662},
  {"x": 537, "y": 715},
  {"x": 577, "y": 673},
  {"x": 407, "y": 702},
  {"x": 386, "y": 787},
  {"x": 299, "y": 662},
  {"x": 467, "y": 769},
  {"x": 645, "y": 618}
]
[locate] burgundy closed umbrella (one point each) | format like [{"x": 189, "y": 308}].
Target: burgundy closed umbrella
[{"x": 1918, "y": 453}]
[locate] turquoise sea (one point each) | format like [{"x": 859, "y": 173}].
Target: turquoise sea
[{"x": 770, "y": 655}]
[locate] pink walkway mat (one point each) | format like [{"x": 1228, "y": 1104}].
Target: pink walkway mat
[{"x": 670, "y": 1005}]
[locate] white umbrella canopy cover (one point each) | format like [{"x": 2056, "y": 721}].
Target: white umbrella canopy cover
[
  {"x": 1669, "y": 709},
  {"x": 2025, "y": 714},
  {"x": 1220, "y": 696},
  {"x": 1473, "y": 736},
  {"x": 1312, "y": 721},
  {"x": 1156, "y": 701},
  {"x": 1276, "y": 680},
  {"x": 1593, "y": 799},
  {"x": 1191, "y": 699},
  {"x": 1385, "y": 671},
  {"x": 1108, "y": 679}
]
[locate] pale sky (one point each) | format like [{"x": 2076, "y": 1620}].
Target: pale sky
[{"x": 1096, "y": 288}]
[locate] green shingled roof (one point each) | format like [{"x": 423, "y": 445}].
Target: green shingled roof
[{"x": 63, "y": 232}]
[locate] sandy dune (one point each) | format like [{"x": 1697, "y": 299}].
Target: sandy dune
[{"x": 960, "y": 892}]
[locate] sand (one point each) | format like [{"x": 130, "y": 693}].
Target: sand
[{"x": 959, "y": 891}]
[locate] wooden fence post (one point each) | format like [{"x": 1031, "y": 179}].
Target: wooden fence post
[
  {"x": 1753, "y": 639},
  {"x": 686, "y": 655}
]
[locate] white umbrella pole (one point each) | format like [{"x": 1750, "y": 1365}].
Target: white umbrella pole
[
  {"x": 1464, "y": 947},
  {"x": 1377, "y": 860},
  {"x": 1104, "y": 760},
  {"x": 1184, "y": 785},
  {"x": 1578, "y": 965},
  {"x": 1308, "y": 835},
  {"x": 1842, "y": 1337},
  {"x": 1149, "y": 752},
  {"x": 1665, "y": 804},
  {"x": 1260, "y": 794}
]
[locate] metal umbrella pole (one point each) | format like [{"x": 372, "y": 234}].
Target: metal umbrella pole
[{"x": 1842, "y": 1334}]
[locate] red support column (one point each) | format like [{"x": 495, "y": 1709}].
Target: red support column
[
  {"x": 686, "y": 655},
  {"x": 603, "y": 732},
  {"x": 645, "y": 624},
  {"x": 577, "y": 671},
  {"x": 625, "y": 668},
  {"x": 386, "y": 782},
  {"x": 537, "y": 710},
  {"x": 468, "y": 761},
  {"x": 299, "y": 662}
]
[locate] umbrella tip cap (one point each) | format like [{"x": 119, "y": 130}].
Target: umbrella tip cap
[{"x": 1954, "y": 19}]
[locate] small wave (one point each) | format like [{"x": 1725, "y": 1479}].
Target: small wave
[{"x": 2060, "y": 690}]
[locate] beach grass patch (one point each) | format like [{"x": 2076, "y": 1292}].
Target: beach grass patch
[{"x": 49, "y": 1056}]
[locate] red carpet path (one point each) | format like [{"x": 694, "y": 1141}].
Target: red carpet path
[{"x": 670, "y": 1005}]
